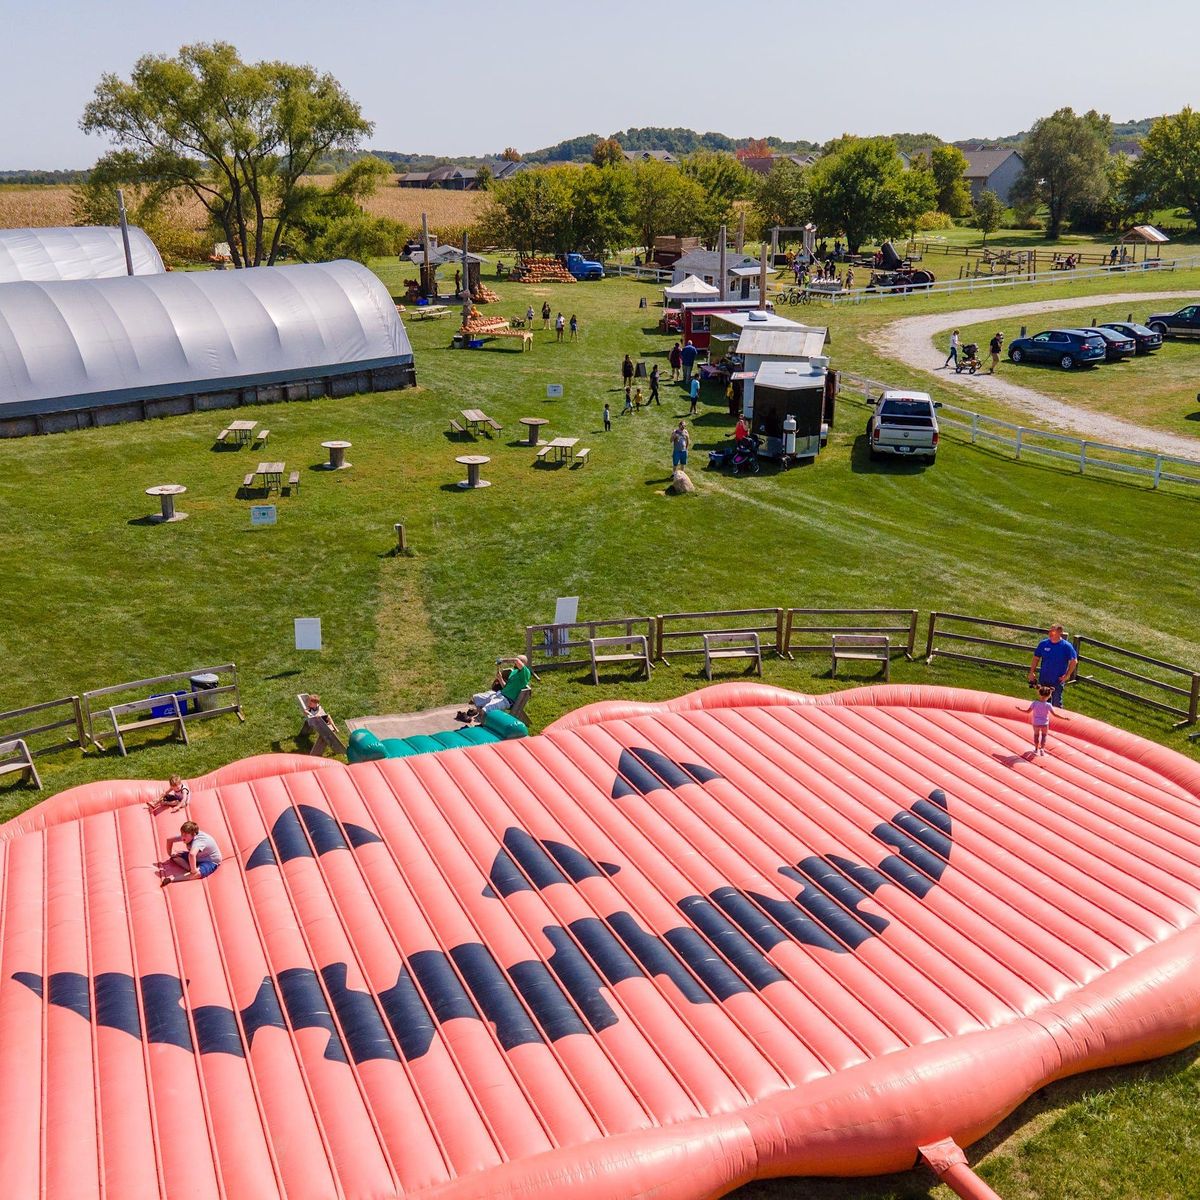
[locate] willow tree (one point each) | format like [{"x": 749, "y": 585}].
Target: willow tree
[{"x": 238, "y": 136}]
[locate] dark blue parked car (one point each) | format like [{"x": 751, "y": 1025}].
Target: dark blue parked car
[
  {"x": 1147, "y": 340},
  {"x": 1065, "y": 348}
]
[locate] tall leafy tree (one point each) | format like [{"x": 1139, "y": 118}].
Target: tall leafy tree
[
  {"x": 1066, "y": 164},
  {"x": 663, "y": 201},
  {"x": 860, "y": 188},
  {"x": 782, "y": 197},
  {"x": 724, "y": 180},
  {"x": 238, "y": 136},
  {"x": 1169, "y": 170},
  {"x": 947, "y": 163}
]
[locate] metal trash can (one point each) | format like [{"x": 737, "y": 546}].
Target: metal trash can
[{"x": 204, "y": 686}]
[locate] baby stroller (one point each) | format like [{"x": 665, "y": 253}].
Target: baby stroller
[
  {"x": 745, "y": 456},
  {"x": 968, "y": 360}
]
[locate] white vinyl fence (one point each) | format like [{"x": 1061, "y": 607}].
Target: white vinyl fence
[{"x": 1026, "y": 442}]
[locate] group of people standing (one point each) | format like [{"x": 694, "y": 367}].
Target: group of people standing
[{"x": 561, "y": 323}]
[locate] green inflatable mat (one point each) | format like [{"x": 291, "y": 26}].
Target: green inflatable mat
[{"x": 497, "y": 726}]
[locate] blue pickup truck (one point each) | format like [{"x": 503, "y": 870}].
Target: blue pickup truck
[{"x": 583, "y": 268}]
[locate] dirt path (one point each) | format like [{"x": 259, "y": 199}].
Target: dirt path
[{"x": 909, "y": 340}]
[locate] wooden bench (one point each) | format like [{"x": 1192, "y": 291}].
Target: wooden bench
[
  {"x": 581, "y": 456},
  {"x": 294, "y": 481},
  {"x": 736, "y": 645},
  {"x": 248, "y": 481},
  {"x": 223, "y": 434},
  {"x": 544, "y": 452},
  {"x": 260, "y": 438},
  {"x": 318, "y": 725},
  {"x": 174, "y": 717},
  {"x": 15, "y": 756},
  {"x": 641, "y": 655},
  {"x": 496, "y": 426},
  {"x": 455, "y": 427},
  {"x": 862, "y": 647}
]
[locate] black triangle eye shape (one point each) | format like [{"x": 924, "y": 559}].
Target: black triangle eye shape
[
  {"x": 527, "y": 863},
  {"x": 641, "y": 771},
  {"x": 323, "y": 833}
]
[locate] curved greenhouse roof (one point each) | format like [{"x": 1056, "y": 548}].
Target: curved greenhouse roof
[
  {"x": 91, "y": 343},
  {"x": 85, "y": 252}
]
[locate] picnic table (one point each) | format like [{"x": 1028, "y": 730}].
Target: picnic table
[
  {"x": 243, "y": 431},
  {"x": 563, "y": 448},
  {"x": 428, "y": 312},
  {"x": 473, "y": 462},
  {"x": 166, "y": 493},
  {"x": 533, "y": 426},
  {"x": 337, "y": 455},
  {"x": 473, "y": 418},
  {"x": 272, "y": 475}
]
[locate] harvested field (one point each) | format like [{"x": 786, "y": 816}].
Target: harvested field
[{"x": 449, "y": 212}]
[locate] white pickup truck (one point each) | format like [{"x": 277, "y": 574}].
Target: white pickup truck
[{"x": 903, "y": 424}]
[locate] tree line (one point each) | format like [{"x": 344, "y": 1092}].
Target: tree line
[{"x": 241, "y": 138}]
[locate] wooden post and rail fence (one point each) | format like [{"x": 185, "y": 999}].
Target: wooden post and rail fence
[{"x": 982, "y": 641}]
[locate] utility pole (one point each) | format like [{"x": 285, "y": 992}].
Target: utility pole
[{"x": 124, "y": 231}]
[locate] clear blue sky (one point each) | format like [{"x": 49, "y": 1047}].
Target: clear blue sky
[{"x": 473, "y": 77}]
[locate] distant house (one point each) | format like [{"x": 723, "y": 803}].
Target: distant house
[
  {"x": 993, "y": 170},
  {"x": 765, "y": 164},
  {"x": 645, "y": 155},
  {"x": 1131, "y": 148},
  {"x": 741, "y": 271},
  {"x": 460, "y": 179}
]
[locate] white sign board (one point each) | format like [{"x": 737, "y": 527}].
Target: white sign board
[
  {"x": 308, "y": 633},
  {"x": 554, "y": 391},
  {"x": 262, "y": 514},
  {"x": 566, "y": 612}
]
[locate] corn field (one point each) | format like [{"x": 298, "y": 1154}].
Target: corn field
[{"x": 451, "y": 214}]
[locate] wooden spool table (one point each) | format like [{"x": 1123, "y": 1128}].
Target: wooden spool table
[
  {"x": 166, "y": 493},
  {"x": 473, "y": 462}
]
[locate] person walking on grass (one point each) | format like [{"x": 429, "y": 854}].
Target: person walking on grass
[
  {"x": 694, "y": 392},
  {"x": 529, "y": 317},
  {"x": 560, "y": 324},
  {"x": 627, "y": 372},
  {"x": 680, "y": 441},
  {"x": 545, "y": 314},
  {"x": 952, "y": 357},
  {"x": 574, "y": 324},
  {"x": 994, "y": 348},
  {"x": 607, "y": 419},
  {"x": 1040, "y": 710},
  {"x": 628, "y": 401},
  {"x": 654, "y": 386},
  {"x": 198, "y": 859},
  {"x": 675, "y": 358}
]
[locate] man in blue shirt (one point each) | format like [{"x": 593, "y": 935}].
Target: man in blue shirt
[
  {"x": 1053, "y": 663},
  {"x": 689, "y": 354}
]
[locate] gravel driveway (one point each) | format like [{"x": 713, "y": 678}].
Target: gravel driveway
[{"x": 910, "y": 341}]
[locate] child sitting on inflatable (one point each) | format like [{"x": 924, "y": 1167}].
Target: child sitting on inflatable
[{"x": 505, "y": 689}]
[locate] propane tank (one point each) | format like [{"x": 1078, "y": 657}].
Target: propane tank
[{"x": 789, "y": 434}]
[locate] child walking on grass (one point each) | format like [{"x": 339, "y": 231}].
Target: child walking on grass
[{"x": 1040, "y": 710}]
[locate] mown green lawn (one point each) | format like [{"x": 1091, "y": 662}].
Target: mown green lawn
[{"x": 95, "y": 595}]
